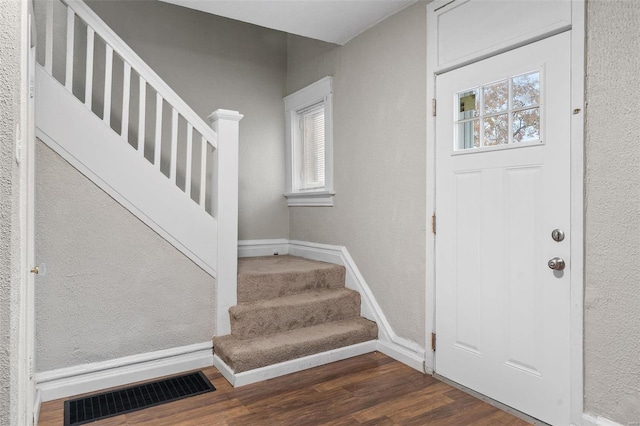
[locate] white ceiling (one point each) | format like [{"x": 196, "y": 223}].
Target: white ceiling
[{"x": 334, "y": 21}]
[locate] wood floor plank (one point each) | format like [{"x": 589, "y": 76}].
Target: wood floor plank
[
  {"x": 217, "y": 413},
  {"x": 309, "y": 408},
  {"x": 367, "y": 390},
  {"x": 461, "y": 412},
  {"x": 351, "y": 421},
  {"x": 292, "y": 400},
  {"x": 426, "y": 399},
  {"x": 355, "y": 377},
  {"x": 419, "y": 409}
]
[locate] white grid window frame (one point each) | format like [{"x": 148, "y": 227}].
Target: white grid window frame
[{"x": 299, "y": 193}]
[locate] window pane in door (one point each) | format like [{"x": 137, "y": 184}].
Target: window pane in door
[
  {"x": 526, "y": 90},
  {"x": 496, "y": 130},
  {"x": 526, "y": 125},
  {"x": 468, "y": 134},
  {"x": 496, "y": 97},
  {"x": 468, "y": 104}
]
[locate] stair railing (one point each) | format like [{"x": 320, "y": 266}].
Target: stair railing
[{"x": 216, "y": 182}]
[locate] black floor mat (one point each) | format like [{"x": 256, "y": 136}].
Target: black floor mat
[{"x": 108, "y": 404}]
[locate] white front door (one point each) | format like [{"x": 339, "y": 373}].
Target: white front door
[{"x": 502, "y": 188}]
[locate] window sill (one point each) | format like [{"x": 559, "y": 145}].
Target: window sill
[{"x": 310, "y": 199}]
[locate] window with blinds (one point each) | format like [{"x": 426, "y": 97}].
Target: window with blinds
[
  {"x": 312, "y": 147},
  {"x": 309, "y": 145}
]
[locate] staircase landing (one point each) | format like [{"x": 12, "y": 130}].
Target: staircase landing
[{"x": 290, "y": 307}]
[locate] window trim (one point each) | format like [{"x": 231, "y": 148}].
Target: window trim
[{"x": 316, "y": 93}]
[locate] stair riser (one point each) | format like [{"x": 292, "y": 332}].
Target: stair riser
[
  {"x": 243, "y": 356},
  {"x": 263, "y": 321},
  {"x": 253, "y": 287}
]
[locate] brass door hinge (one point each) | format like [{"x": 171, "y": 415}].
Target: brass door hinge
[
  {"x": 433, "y": 223},
  {"x": 433, "y": 342}
]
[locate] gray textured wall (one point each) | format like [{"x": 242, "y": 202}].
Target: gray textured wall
[
  {"x": 214, "y": 62},
  {"x": 113, "y": 287},
  {"x": 612, "y": 292},
  {"x": 379, "y": 210},
  {"x": 9, "y": 204}
]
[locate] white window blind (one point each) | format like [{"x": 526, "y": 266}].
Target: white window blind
[
  {"x": 312, "y": 129},
  {"x": 309, "y": 145}
]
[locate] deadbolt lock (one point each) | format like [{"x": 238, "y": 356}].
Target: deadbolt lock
[
  {"x": 557, "y": 235},
  {"x": 556, "y": 264}
]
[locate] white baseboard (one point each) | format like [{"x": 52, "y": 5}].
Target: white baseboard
[
  {"x": 592, "y": 420},
  {"x": 36, "y": 407},
  {"x": 405, "y": 356},
  {"x": 292, "y": 366},
  {"x": 389, "y": 343},
  {"x": 224, "y": 369},
  {"x": 65, "y": 382},
  {"x": 404, "y": 350},
  {"x": 255, "y": 248}
]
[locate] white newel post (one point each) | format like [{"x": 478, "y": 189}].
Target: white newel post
[{"x": 225, "y": 210}]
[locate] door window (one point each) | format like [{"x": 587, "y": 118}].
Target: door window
[{"x": 499, "y": 114}]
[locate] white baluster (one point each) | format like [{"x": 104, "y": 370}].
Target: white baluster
[
  {"x": 108, "y": 72},
  {"x": 203, "y": 173},
  {"x": 48, "y": 47},
  {"x": 142, "y": 112},
  {"x": 174, "y": 145},
  {"x": 187, "y": 184},
  {"x": 88, "y": 88},
  {"x": 158, "y": 145},
  {"x": 126, "y": 93},
  {"x": 71, "y": 20}
]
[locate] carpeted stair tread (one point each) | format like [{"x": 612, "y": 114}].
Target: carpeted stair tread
[
  {"x": 247, "y": 354},
  {"x": 262, "y": 317},
  {"x": 268, "y": 277}
]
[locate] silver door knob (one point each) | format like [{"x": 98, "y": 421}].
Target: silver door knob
[{"x": 556, "y": 264}]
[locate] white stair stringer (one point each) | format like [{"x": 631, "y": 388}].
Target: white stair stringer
[{"x": 86, "y": 142}]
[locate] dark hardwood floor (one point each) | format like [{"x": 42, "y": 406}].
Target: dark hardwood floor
[{"x": 371, "y": 389}]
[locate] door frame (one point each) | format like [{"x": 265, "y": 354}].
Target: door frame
[
  {"x": 578, "y": 16},
  {"x": 28, "y": 404}
]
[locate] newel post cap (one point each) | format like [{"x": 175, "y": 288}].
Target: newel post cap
[{"x": 224, "y": 114}]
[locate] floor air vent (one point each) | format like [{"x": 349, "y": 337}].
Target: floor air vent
[{"x": 108, "y": 404}]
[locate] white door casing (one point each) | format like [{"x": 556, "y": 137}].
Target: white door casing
[
  {"x": 502, "y": 316},
  {"x": 25, "y": 157}
]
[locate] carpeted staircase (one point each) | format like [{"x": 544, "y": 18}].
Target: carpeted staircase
[{"x": 290, "y": 307}]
